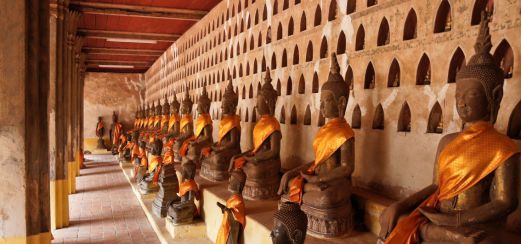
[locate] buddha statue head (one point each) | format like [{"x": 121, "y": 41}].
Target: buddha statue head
[
  {"x": 158, "y": 107},
  {"x": 266, "y": 97},
  {"x": 203, "y": 106},
  {"x": 166, "y": 106},
  {"x": 335, "y": 93},
  {"x": 156, "y": 147},
  {"x": 152, "y": 111},
  {"x": 186, "y": 106},
  {"x": 174, "y": 106},
  {"x": 289, "y": 225},
  {"x": 479, "y": 85},
  {"x": 114, "y": 117},
  {"x": 230, "y": 100},
  {"x": 237, "y": 181}
]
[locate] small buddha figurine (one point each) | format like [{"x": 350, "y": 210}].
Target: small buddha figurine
[
  {"x": 184, "y": 210},
  {"x": 448, "y": 24},
  {"x": 100, "y": 131},
  {"x": 173, "y": 121},
  {"x": 234, "y": 212},
  {"x": 122, "y": 145},
  {"x": 396, "y": 81},
  {"x": 323, "y": 187},
  {"x": 216, "y": 159},
  {"x": 148, "y": 183},
  {"x": 289, "y": 225},
  {"x": 115, "y": 129},
  {"x": 427, "y": 79},
  {"x": 473, "y": 189},
  {"x": 262, "y": 163},
  {"x": 191, "y": 148},
  {"x": 185, "y": 126}
]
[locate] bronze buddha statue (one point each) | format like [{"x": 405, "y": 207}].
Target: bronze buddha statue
[
  {"x": 173, "y": 121},
  {"x": 191, "y": 148},
  {"x": 100, "y": 131},
  {"x": 262, "y": 163},
  {"x": 475, "y": 173},
  {"x": 323, "y": 187},
  {"x": 216, "y": 159},
  {"x": 183, "y": 210},
  {"x": 165, "y": 114},
  {"x": 186, "y": 126},
  {"x": 289, "y": 225},
  {"x": 148, "y": 183},
  {"x": 234, "y": 212}
]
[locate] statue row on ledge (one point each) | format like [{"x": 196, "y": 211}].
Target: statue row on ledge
[{"x": 471, "y": 199}]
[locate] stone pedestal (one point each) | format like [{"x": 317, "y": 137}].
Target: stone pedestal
[
  {"x": 327, "y": 223},
  {"x": 182, "y": 212},
  {"x": 168, "y": 188},
  {"x": 213, "y": 175},
  {"x": 263, "y": 189},
  {"x": 186, "y": 231}
]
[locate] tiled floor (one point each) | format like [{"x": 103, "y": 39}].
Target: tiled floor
[{"x": 104, "y": 209}]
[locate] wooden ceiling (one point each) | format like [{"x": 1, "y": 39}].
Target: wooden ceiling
[{"x": 129, "y": 35}]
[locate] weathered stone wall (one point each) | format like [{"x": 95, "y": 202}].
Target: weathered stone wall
[
  {"x": 105, "y": 93},
  {"x": 230, "y": 40}
]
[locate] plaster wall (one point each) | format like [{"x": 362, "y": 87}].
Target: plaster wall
[
  {"x": 391, "y": 162},
  {"x": 12, "y": 119},
  {"x": 108, "y": 92}
]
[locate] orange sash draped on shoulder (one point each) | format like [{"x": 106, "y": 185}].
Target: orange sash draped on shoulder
[
  {"x": 327, "y": 141},
  {"x": 117, "y": 132},
  {"x": 475, "y": 153},
  {"x": 189, "y": 185},
  {"x": 155, "y": 162},
  {"x": 185, "y": 120},
  {"x": 164, "y": 121},
  {"x": 227, "y": 123},
  {"x": 168, "y": 158},
  {"x": 173, "y": 119},
  {"x": 99, "y": 126},
  {"x": 236, "y": 204},
  {"x": 202, "y": 121},
  {"x": 266, "y": 126}
]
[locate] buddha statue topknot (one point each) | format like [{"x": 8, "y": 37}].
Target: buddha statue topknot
[
  {"x": 262, "y": 163},
  {"x": 216, "y": 159},
  {"x": 289, "y": 225},
  {"x": 323, "y": 187},
  {"x": 473, "y": 189}
]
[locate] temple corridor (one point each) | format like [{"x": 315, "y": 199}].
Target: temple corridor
[{"x": 104, "y": 208}]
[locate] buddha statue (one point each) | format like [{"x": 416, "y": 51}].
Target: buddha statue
[
  {"x": 191, "y": 148},
  {"x": 100, "y": 131},
  {"x": 289, "y": 225},
  {"x": 165, "y": 114},
  {"x": 140, "y": 160},
  {"x": 115, "y": 132},
  {"x": 157, "y": 118},
  {"x": 323, "y": 187},
  {"x": 148, "y": 183},
  {"x": 186, "y": 127},
  {"x": 448, "y": 23},
  {"x": 427, "y": 78},
  {"x": 184, "y": 210},
  {"x": 216, "y": 159},
  {"x": 173, "y": 121},
  {"x": 234, "y": 212},
  {"x": 168, "y": 186},
  {"x": 473, "y": 189},
  {"x": 122, "y": 145},
  {"x": 262, "y": 163}
]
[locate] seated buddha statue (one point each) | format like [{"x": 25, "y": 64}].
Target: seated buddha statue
[
  {"x": 191, "y": 148},
  {"x": 183, "y": 210},
  {"x": 289, "y": 225},
  {"x": 172, "y": 129},
  {"x": 262, "y": 163},
  {"x": 323, "y": 187},
  {"x": 234, "y": 212},
  {"x": 139, "y": 159},
  {"x": 186, "y": 126},
  {"x": 148, "y": 183},
  {"x": 473, "y": 189},
  {"x": 156, "y": 128},
  {"x": 165, "y": 115},
  {"x": 216, "y": 159}
]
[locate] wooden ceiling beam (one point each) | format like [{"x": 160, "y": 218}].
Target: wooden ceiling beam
[
  {"x": 122, "y": 51},
  {"x": 119, "y": 62},
  {"x": 137, "y": 11},
  {"x": 104, "y": 34}
]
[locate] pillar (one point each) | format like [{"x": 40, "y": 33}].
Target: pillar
[{"x": 24, "y": 164}]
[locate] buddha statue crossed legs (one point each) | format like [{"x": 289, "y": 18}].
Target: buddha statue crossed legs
[
  {"x": 216, "y": 159},
  {"x": 475, "y": 171},
  {"x": 262, "y": 164},
  {"x": 323, "y": 187}
]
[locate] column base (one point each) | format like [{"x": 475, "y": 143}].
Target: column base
[
  {"x": 42, "y": 238},
  {"x": 59, "y": 203},
  {"x": 71, "y": 171}
]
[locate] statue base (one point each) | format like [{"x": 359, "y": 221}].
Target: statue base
[
  {"x": 168, "y": 188},
  {"x": 101, "y": 144},
  {"x": 262, "y": 189},
  {"x": 146, "y": 188},
  {"x": 327, "y": 223},
  {"x": 213, "y": 175},
  {"x": 182, "y": 212}
]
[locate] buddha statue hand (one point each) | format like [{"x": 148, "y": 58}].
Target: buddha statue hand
[
  {"x": 289, "y": 175},
  {"x": 441, "y": 219},
  {"x": 389, "y": 219},
  {"x": 309, "y": 177}
]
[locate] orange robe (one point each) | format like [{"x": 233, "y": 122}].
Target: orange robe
[
  {"x": 157, "y": 120},
  {"x": 228, "y": 122},
  {"x": 164, "y": 121},
  {"x": 266, "y": 126},
  {"x": 123, "y": 141},
  {"x": 168, "y": 157},
  {"x": 99, "y": 126},
  {"x": 236, "y": 204},
  {"x": 475, "y": 153},
  {"x": 155, "y": 163},
  {"x": 327, "y": 141},
  {"x": 189, "y": 185},
  {"x": 173, "y": 119},
  {"x": 202, "y": 121},
  {"x": 116, "y": 133}
]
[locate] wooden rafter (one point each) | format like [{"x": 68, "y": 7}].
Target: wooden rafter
[
  {"x": 137, "y": 11},
  {"x": 122, "y": 51},
  {"x": 104, "y": 34}
]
